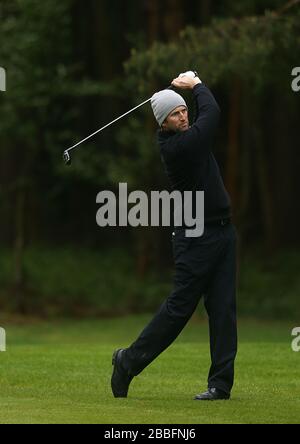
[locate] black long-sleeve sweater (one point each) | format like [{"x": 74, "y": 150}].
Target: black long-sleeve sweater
[{"x": 188, "y": 159}]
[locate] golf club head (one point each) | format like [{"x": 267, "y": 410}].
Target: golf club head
[{"x": 67, "y": 158}]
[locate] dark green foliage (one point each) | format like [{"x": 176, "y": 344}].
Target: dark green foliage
[
  {"x": 80, "y": 282},
  {"x": 256, "y": 49}
]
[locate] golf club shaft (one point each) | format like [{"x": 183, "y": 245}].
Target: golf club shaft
[{"x": 106, "y": 126}]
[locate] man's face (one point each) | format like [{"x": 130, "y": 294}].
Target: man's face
[{"x": 177, "y": 120}]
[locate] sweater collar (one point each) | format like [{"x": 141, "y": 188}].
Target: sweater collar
[{"x": 163, "y": 135}]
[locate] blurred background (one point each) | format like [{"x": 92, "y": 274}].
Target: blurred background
[{"x": 73, "y": 66}]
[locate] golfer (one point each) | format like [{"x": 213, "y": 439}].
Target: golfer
[{"x": 204, "y": 266}]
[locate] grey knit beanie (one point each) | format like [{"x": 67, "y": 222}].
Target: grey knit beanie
[{"x": 164, "y": 102}]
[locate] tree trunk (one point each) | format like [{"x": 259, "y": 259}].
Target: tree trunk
[
  {"x": 173, "y": 19},
  {"x": 205, "y": 11},
  {"x": 232, "y": 167},
  {"x": 246, "y": 164},
  {"x": 269, "y": 218},
  {"x": 153, "y": 20},
  {"x": 19, "y": 274}
]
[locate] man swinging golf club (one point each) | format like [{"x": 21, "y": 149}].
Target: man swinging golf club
[{"x": 204, "y": 266}]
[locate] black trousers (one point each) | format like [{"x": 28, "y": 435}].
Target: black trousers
[{"x": 204, "y": 266}]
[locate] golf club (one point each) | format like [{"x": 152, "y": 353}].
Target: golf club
[{"x": 66, "y": 154}]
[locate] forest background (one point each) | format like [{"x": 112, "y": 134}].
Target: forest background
[{"x": 71, "y": 67}]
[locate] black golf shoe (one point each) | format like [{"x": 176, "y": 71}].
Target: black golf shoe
[
  {"x": 120, "y": 379},
  {"x": 212, "y": 394}
]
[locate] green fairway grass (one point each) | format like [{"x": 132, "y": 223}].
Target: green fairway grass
[{"x": 59, "y": 372}]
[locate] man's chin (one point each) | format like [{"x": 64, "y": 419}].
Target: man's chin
[{"x": 183, "y": 128}]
